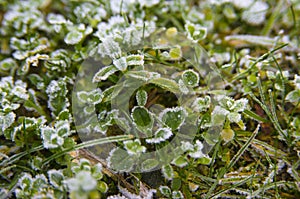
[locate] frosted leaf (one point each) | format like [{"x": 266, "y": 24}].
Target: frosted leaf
[
  {"x": 256, "y": 14},
  {"x": 110, "y": 48},
  {"x": 177, "y": 195},
  {"x": 195, "y": 31},
  {"x": 219, "y": 115},
  {"x": 56, "y": 178},
  {"x": 134, "y": 147},
  {"x": 141, "y": 97},
  {"x": 74, "y": 37},
  {"x": 143, "y": 75},
  {"x": 120, "y": 63},
  {"x": 161, "y": 135},
  {"x": 82, "y": 181},
  {"x": 173, "y": 117},
  {"x": 104, "y": 73},
  {"x": 120, "y": 160},
  {"x": 175, "y": 53},
  {"x": 6, "y": 120},
  {"x": 186, "y": 146},
  {"x": 166, "y": 191},
  {"x": 149, "y": 164},
  {"x": 92, "y": 97},
  {"x": 63, "y": 128},
  {"x": 135, "y": 60},
  {"x": 183, "y": 88},
  {"x": 56, "y": 18},
  {"x": 296, "y": 81},
  {"x": 20, "y": 92},
  {"x": 180, "y": 161},
  {"x": 168, "y": 172},
  {"x": 142, "y": 118},
  {"x": 239, "y": 105},
  {"x": 7, "y": 64},
  {"x": 201, "y": 104},
  {"x": 252, "y": 39},
  {"x": 167, "y": 84},
  {"x": 190, "y": 78},
  {"x": 234, "y": 117},
  {"x": 227, "y": 135},
  {"x": 271, "y": 75},
  {"x": 242, "y": 4},
  {"x": 148, "y": 3},
  {"x": 47, "y": 135},
  {"x": 197, "y": 151},
  {"x": 293, "y": 96}
]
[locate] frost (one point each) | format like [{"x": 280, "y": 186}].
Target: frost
[
  {"x": 149, "y": 165},
  {"x": 57, "y": 92},
  {"x": 8, "y": 64},
  {"x": 168, "y": 172},
  {"x": 242, "y": 4},
  {"x": 173, "y": 117},
  {"x": 148, "y": 3},
  {"x": 190, "y": 78},
  {"x": 135, "y": 60},
  {"x": 56, "y": 18},
  {"x": 186, "y": 146},
  {"x": 142, "y": 118},
  {"x": 197, "y": 151},
  {"x": 110, "y": 48},
  {"x": 161, "y": 135},
  {"x": 256, "y": 14},
  {"x": 134, "y": 147},
  {"x": 201, "y": 104},
  {"x": 296, "y": 81},
  {"x": 120, "y": 63},
  {"x": 6, "y": 120},
  {"x": 195, "y": 32},
  {"x": 83, "y": 181},
  {"x": 56, "y": 178},
  {"x": 104, "y": 73},
  {"x": 73, "y": 37},
  {"x": 54, "y": 137}
]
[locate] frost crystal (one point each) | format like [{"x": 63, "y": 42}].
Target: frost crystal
[
  {"x": 161, "y": 135},
  {"x": 256, "y": 14},
  {"x": 197, "y": 151}
]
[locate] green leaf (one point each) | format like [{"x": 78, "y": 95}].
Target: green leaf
[
  {"x": 134, "y": 147},
  {"x": 173, "y": 117},
  {"x": 141, "y": 97},
  {"x": 119, "y": 160},
  {"x": 120, "y": 64},
  {"x": 166, "y": 191},
  {"x": 180, "y": 161},
  {"x": 6, "y": 120},
  {"x": 104, "y": 73},
  {"x": 175, "y": 53},
  {"x": 293, "y": 96},
  {"x": 56, "y": 178},
  {"x": 102, "y": 187},
  {"x": 135, "y": 60},
  {"x": 167, "y": 84},
  {"x": 142, "y": 118},
  {"x": 149, "y": 165},
  {"x": 161, "y": 135},
  {"x": 74, "y": 37},
  {"x": 168, "y": 172},
  {"x": 190, "y": 78}
]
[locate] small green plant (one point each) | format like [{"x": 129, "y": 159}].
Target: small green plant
[{"x": 149, "y": 99}]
